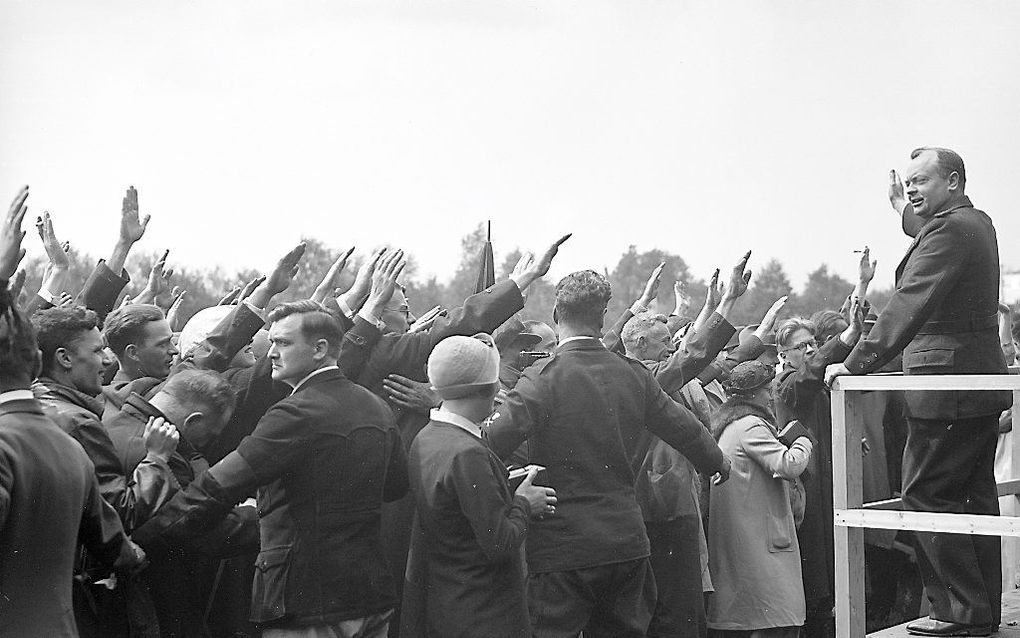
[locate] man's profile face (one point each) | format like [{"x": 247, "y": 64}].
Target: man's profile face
[
  {"x": 397, "y": 315},
  {"x": 925, "y": 189},
  {"x": 155, "y": 351},
  {"x": 658, "y": 343},
  {"x": 290, "y": 353},
  {"x": 89, "y": 358}
]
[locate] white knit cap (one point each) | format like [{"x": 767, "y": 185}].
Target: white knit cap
[
  {"x": 199, "y": 327},
  {"x": 459, "y": 366}
]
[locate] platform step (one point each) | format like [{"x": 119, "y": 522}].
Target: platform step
[{"x": 1010, "y": 627}]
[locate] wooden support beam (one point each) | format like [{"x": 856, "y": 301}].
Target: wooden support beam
[
  {"x": 929, "y": 521},
  {"x": 848, "y": 493},
  {"x": 929, "y": 382}
]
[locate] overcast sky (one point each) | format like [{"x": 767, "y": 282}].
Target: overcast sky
[{"x": 702, "y": 128}]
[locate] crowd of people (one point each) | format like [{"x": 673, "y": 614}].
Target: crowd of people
[{"x": 336, "y": 466}]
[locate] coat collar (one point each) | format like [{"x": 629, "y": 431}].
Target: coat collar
[
  {"x": 21, "y": 406},
  {"x": 61, "y": 392},
  {"x": 580, "y": 343},
  {"x": 136, "y": 405},
  {"x": 329, "y": 373}
]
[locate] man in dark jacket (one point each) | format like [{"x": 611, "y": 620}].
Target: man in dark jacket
[
  {"x": 324, "y": 459},
  {"x": 582, "y": 411},
  {"x": 49, "y": 496},
  {"x": 943, "y": 317}
]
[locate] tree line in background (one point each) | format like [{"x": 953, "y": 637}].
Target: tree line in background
[{"x": 205, "y": 287}]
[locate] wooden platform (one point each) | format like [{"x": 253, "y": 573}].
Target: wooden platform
[{"x": 1010, "y": 627}]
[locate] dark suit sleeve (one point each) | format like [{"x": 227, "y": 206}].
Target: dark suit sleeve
[
  {"x": 35, "y": 304},
  {"x": 100, "y": 530},
  {"x": 407, "y": 354},
  {"x": 798, "y": 389},
  {"x": 356, "y": 349},
  {"x": 932, "y": 270},
  {"x": 751, "y": 348},
  {"x": 680, "y": 429},
  {"x": 102, "y": 289},
  {"x": 499, "y": 526},
  {"x": 524, "y": 411},
  {"x": 699, "y": 351},
  {"x": 230, "y": 335}
]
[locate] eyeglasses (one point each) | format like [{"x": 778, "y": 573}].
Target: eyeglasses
[{"x": 803, "y": 347}]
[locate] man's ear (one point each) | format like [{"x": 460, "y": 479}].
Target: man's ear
[
  {"x": 556, "y": 318},
  {"x": 192, "y": 421},
  {"x": 131, "y": 352},
  {"x": 642, "y": 343},
  {"x": 321, "y": 349},
  {"x": 954, "y": 181},
  {"x": 62, "y": 359}
]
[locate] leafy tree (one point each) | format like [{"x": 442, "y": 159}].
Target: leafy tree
[
  {"x": 767, "y": 284},
  {"x": 823, "y": 291}
]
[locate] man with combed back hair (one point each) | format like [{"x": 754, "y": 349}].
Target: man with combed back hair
[
  {"x": 324, "y": 459},
  {"x": 943, "y": 317},
  {"x": 582, "y": 411},
  {"x": 49, "y": 497}
]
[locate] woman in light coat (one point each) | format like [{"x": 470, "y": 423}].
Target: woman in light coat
[{"x": 753, "y": 553}]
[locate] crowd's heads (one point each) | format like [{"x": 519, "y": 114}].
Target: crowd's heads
[
  {"x": 749, "y": 379},
  {"x": 303, "y": 336},
  {"x": 543, "y": 330},
  {"x": 934, "y": 177},
  {"x": 73, "y": 350},
  {"x": 19, "y": 354},
  {"x": 828, "y": 324},
  {"x": 397, "y": 313},
  {"x": 795, "y": 339},
  {"x": 465, "y": 367},
  {"x": 140, "y": 337},
  {"x": 199, "y": 402},
  {"x": 581, "y": 300},
  {"x": 646, "y": 337}
]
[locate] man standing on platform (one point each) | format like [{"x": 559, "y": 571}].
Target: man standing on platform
[{"x": 942, "y": 316}]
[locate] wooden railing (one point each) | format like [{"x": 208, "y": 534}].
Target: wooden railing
[{"x": 851, "y": 515}]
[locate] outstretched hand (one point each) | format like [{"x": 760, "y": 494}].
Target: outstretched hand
[
  {"x": 739, "y": 278},
  {"x": 537, "y": 267},
  {"x": 866, "y": 267},
  {"x": 384, "y": 282},
  {"x": 651, "y": 290},
  {"x": 768, "y": 323},
  {"x": 897, "y": 196},
  {"x": 11, "y": 252},
  {"x": 55, "y": 251},
  {"x": 328, "y": 281},
  {"x": 683, "y": 300},
  {"x": 132, "y": 227},
  {"x": 279, "y": 279}
]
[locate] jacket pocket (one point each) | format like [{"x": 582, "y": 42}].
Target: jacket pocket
[
  {"x": 930, "y": 358},
  {"x": 270, "y": 584},
  {"x": 779, "y": 523}
]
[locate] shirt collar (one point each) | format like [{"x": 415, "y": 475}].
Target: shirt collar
[
  {"x": 297, "y": 386},
  {"x": 15, "y": 395},
  {"x": 577, "y": 338},
  {"x": 457, "y": 420}
]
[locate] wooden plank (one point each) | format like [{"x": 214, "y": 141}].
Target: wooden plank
[
  {"x": 847, "y": 493},
  {"x": 929, "y": 382},
  {"x": 1010, "y": 627},
  {"x": 1011, "y": 506},
  {"x": 1005, "y": 488},
  {"x": 929, "y": 521}
]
